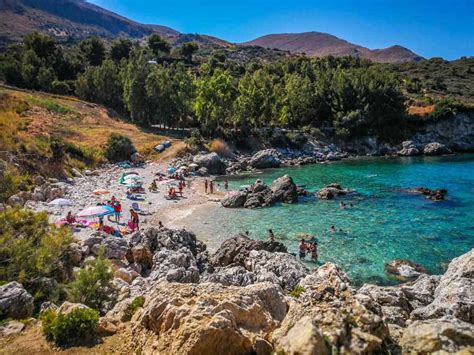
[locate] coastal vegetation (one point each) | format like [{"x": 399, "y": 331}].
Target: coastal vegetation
[{"x": 153, "y": 85}]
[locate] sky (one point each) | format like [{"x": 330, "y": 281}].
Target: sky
[{"x": 431, "y": 28}]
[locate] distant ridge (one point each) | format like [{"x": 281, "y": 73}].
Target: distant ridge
[
  {"x": 78, "y": 19},
  {"x": 318, "y": 44}
]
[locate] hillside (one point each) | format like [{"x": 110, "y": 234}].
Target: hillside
[
  {"x": 67, "y": 19},
  {"x": 316, "y": 44},
  {"x": 31, "y": 121}
]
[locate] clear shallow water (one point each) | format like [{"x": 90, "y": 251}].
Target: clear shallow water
[{"x": 385, "y": 222}]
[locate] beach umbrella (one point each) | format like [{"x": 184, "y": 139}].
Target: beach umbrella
[
  {"x": 134, "y": 184},
  {"x": 61, "y": 202},
  {"x": 171, "y": 170},
  {"x": 96, "y": 211},
  {"x": 100, "y": 192},
  {"x": 132, "y": 177},
  {"x": 131, "y": 173}
]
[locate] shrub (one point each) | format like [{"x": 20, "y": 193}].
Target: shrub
[
  {"x": 132, "y": 308},
  {"x": 60, "y": 87},
  {"x": 92, "y": 285},
  {"x": 11, "y": 182},
  {"x": 75, "y": 327},
  {"x": 195, "y": 140},
  {"x": 29, "y": 246},
  {"x": 296, "y": 139},
  {"x": 220, "y": 147},
  {"x": 297, "y": 291},
  {"x": 119, "y": 147}
]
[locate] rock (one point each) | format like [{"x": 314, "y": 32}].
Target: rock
[
  {"x": 230, "y": 276},
  {"x": 2, "y": 207},
  {"x": 74, "y": 254},
  {"x": 435, "y": 195},
  {"x": 454, "y": 294},
  {"x": 404, "y": 269},
  {"x": 15, "y": 201},
  {"x": 68, "y": 307},
  {"x": 75, "y": 172},
  {"x": 127, "y": 275},
  {"x": 420, "y": 293},
  {"x": 11, "y": 328},
  {"x": 212, "y": 162},
  {"x": 15, "y": 301},
  {"x": 284, "y": 190},
  {"x": 160, "y": 148},
  {"x": 304, "y": 338},
  {"x": 436, "y": 148},
  {"x": 409, "y": 149},
  {"x": 447, "y": 335},
  {"x": 202, "y": 171},
  {"x": 265, "y": 159},
  {"x": 137, "y": 158},
  {"x": 47, "y": 305},
  {"x": 39, "y": 180},
  {"x": 106, "y": 326},
  {"x": 262, "y": 347},
  {"x": 115, "y": 248},
  {"x": 175, "y": 266},
  {"x": 235, "y": 250},
  {"x": 281, "y": 268},
  {"x": 234, "y": 199},
  {"x": 331, "y": 191},
  {"x": 210, "y": 318}
]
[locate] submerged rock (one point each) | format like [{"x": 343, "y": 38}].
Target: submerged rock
[
  {"x": 404, "y": 269},
  {"x": 331, "y": 191},
  {"x": 434, "y": 195}
]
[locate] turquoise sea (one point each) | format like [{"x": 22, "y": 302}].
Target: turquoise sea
[{"x": 385, "y": 223}]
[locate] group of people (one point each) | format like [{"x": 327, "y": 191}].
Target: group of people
[
  {"x": 209, "y": 185},
  {"x": 310, "y": 247},
  {"x": 343, "y": 205}
]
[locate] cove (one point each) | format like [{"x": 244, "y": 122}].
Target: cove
[{"x": 385, "y": 223}]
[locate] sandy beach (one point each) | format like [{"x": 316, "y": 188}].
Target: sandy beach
[{"x": 154, "y": 205}]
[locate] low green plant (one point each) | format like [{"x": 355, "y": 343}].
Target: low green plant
[
  {"x": 50, "y": 105},
  {"x": 92, "y": 285},
  {"x": 75, "y": 327},
  {"x": 297, "y": 291},
  {"x": 132, "y": 308},
  {"x": 119, "y": 148}
]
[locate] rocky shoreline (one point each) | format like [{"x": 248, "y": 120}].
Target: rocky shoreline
[{"x": 252, "y": 297}]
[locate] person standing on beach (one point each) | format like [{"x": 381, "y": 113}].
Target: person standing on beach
[
  {"x": 117, "y": 210},
  {"x": 135, "y": 219},
  {"x": 226, "y": 185},
  {"x": 211, "y": 187},
  {"x": 205, "y": 186}
]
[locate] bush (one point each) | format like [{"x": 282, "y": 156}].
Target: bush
[
  {"x": 29, "y": 246},
  {"x": 92, "y": 285},
  {"x": 72, "y": 328},
  {"x": 119, "y": 148},
  {"x": 195, "y": 141},
  {"x": 297, "y": 291},
  {"x": 132, "y": 308},
  {"x": 60, "y": 87},
  {"x": 220, "y": 147}
]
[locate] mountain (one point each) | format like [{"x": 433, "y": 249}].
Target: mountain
[
  {"x": 65, "y": 19},
  {"x": 317, "y": 44},
  {"x": 78, "y": 19}
]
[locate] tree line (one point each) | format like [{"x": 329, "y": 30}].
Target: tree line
[{"x": 151, "y": 83}]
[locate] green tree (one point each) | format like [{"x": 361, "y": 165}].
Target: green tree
[
  {"x": 29, "y": 246},
  {"x": 187, "y": 50},
  {"x": 120, "y": 49},
  {"x": 93, "y": 51},
  {"x": 158, "y": 45},
  {"x": 92, "y": 285},
  {"x": 214, "y": 100}
]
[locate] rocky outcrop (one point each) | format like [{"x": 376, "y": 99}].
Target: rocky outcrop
[
  {"x": 434, "y": 195},
  {"x": 210, "y": 318},
  {"x": 331, "y": 191},
  {"x": 409, "y": 149},
  {"x": 265, "y": 159},
  {"x": 114, "y": 248},
  {"x": 15, "y": 301},
  {"x": 404, "y": 269},
  {"x": 212, "y": 162},
  {"x": 436, "y": 148},
  {"x": 260, "y": 194}
]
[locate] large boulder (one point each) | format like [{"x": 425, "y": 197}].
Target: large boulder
[
  {"x": 234, "y": 199},
  {"x": 409, "y": 149},
  {"x": 235, "y": 250},
  {"x": 230, "y": 276},
  {"x": 15, "y": 301},
  {"x": 115, "y": 248},
  {"x": 436, "y": 148},
  {"x": 210, "y": 318},
  {"x": 447, "y": 335},
  {"x": 175, "y": 266},
  {"x": 212, "y": 162},
  {"x": 284, "y": 189},
  {"x": 454, "y": 294},
  {"x": 265, "y": 159},
  {"x": 330, "y": 191}
]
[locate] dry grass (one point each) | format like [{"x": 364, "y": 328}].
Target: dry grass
[
  {"x": 28, "y": 118},
  {"x": 220, "y": 147},
  {"x": 421, "y": 110}
]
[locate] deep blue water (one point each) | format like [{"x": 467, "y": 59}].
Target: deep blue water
[{"x": 385, "y": 223}]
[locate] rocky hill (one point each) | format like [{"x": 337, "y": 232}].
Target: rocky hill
[{"x": 317, "y": 44}]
